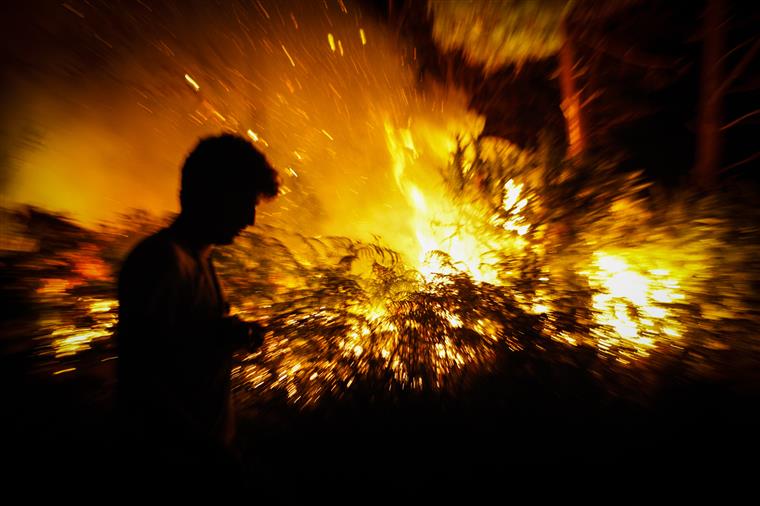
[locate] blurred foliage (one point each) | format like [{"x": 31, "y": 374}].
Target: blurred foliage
[
  {"x": 344, "y": 315},
  {"x": 496, "y": 33}
]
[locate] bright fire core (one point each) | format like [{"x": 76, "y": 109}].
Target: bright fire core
[{"x": 406, "y": 248}]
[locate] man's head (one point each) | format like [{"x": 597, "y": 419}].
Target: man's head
[{"x": 223, "y": 179}]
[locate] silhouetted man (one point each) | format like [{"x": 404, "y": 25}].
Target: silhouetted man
[{"x": 176, "y": 338}]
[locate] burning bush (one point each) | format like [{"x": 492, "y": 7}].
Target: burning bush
[{"x": 569, "y": 263}]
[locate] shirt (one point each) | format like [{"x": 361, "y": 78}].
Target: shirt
[{"x": 174, "y": 364}]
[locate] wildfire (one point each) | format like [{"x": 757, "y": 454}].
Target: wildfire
[
  {"x": 406, "y": 251},
  {"x": 632, "y": 302},
  {"x": 451, "y": 236},
  {"x": 427, "y": 316},
  {"x": 69, "y": 340}
]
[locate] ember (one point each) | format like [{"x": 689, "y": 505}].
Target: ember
[{"x": 409, "y": 249}]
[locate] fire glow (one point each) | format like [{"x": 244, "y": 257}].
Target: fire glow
[{"x": 407, "y": 250}]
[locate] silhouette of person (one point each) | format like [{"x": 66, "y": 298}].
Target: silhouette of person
[{"x": 175, "y": 338}]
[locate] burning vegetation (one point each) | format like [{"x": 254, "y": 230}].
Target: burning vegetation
[
  {"x": 567, "y": 264},
  {"x": 409, "y": 252}
]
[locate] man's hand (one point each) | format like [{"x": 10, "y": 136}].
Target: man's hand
[
  {"x": 242, "y": 334},
  {"x": 256, "y": 333}
]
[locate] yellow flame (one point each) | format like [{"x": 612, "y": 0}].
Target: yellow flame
[
  {"x": 515, "y": 222},
  {"x": 70, "y": 340},
  {"x": 101, "y": 306},
  {"x": 439, "y": 223},
  {"x": 629, "y": 299}
]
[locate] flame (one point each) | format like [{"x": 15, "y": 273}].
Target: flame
[
  {"x": 632, "y": 301},
  {"x": 442, "y": 225},
  {"x": 365, "y": 151},
  {"x": 68, "y": 340},
  {"x": 515, "y": 222}
]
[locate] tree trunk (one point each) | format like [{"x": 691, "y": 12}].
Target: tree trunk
[
  {"x": 571, "y": 99},
  {"x": 711, "y": 96}
]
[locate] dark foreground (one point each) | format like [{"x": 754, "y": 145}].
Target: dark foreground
[{"x": 538, "y": 433}]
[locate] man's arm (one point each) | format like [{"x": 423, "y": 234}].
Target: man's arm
[{"x": 151, "y": 326}]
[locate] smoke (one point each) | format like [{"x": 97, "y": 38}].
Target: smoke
[{"x": 117, "y": 95}]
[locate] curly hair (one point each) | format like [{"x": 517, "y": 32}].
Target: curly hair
[{"x": 224, "y": 165}]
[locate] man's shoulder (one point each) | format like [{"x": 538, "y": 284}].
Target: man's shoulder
[{"x": 157, "y": 251}]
